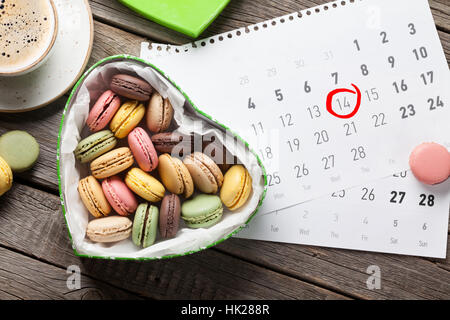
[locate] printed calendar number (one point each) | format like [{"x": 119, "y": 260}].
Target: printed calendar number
[
  {"x": 279, "y": 95},
  {"x": 335, "y": 75},
  {"x": 368, "y": 195},
  {"x": 397, "y": 196},
  {"x": 358, "y": 153},
  {"x": 251, "y": 104},
  {"x": 364, "y": 70},
  {"x": 273, "y": 179},
  {"x": 307, "y": 87},
  {"x": 328, "y": 162},
  {"x": 357, "y": 45},
  {"x": 435, "y": 103},
  {"x": 314, "y": 112},
  {"x": 426, "y": 200},
  {"x": 408, "y": 111},
  {"x": 258, "y": 128},
  {"x": 384, "y": 39},
  {"x": 350, "y": 128},
  {"x": 427, "y": 78},
  {"x": 338, "y": 194},
  {"x": 286, "y": 120},
  {"x": 391, "y": 61},
  {"x": 420, "y": 53},
  {"x": 321, "y": 137},
  {"x": 402, "y": 174},
  {"x": 294, "y": 144},
  {"x": 379, "y": 120},
  {"x": 372, "y": 95},
  {"x": 301, "y": 171},
  {"x": 266, "y": 154},
  {"x": 400, "y": 87},
  {"x": 412, "y": 29}
]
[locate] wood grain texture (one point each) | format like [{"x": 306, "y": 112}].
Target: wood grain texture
[
  {"x": 24, "y": 278},
  {"x": 32, "y": 222},
  {"x": 402, "y": 277},
  {"x": 238, "y": 13}
]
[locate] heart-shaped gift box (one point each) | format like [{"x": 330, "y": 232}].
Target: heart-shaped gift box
[{"x": 188, "y": 120}]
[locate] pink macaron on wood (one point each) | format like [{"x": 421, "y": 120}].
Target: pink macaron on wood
[
  {"x": 103, "y": 111},
  {"x": 430, "y": 163},
  {"x": 119, "y": 196},
  {"x": 143, "y": 150}
]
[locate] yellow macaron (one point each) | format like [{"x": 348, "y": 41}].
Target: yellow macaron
[
  {"x": 144, "y": 185},
  {"x": 6, "y": 177},
  {"x": 127, "y": 118},
  {"x": 236, "y": 188}
]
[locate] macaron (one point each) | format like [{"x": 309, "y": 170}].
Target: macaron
[
  {"x": 169, "y": 216},
  {"x": 159, "y": 113},
  {"x": 112, "y": 163},
  {"x": 145, "y": 225},
  {"x": 173, "y": 143},
  {"x": 236, "y": 188},
  {"x": 103, "y": 110},
  {"x": 92, "y": 195},
  {"x": 119, "y": 196},
  {"x": 144, "y": 185},
  {"x": 143, "y": 150},
  {"x": 95, "y": 145},
  {"x": 175, "y": 176},
  {"x": 127, "y": 118},
  {"x": 202, "y": 211},
  {"x": 19, "y": 149},
  {"x": 6, "y": 177},
  {"x": 131, "y": 87},
  {"x": 430, "y": 163},
  {"x": 207, "y": 176},
  {"x": 109, "y": 229}
]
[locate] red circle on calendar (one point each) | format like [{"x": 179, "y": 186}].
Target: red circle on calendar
[{"x": 336, "y": 91}]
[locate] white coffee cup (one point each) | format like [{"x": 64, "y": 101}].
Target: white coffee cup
[{"x": 28, "y": 30}]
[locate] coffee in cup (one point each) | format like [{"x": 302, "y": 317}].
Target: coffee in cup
[{"x": 28, "y": 31}]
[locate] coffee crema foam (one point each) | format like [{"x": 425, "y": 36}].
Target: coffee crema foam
[{"x": 26, "y": 32}]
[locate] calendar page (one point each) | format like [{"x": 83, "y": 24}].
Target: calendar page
[{"x": 331, "y": 98}]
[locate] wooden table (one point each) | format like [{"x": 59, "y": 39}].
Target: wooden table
[{"x": 35, "y": 250}]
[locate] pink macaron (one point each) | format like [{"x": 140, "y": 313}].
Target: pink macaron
[
  {"x": 103, "y": 110},
  {"x": 119, "y": 196},
  {"x": 430, "y": 163},
  {"x": 143, "y": 150}
]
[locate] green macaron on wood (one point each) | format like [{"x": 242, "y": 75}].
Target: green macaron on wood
[
  {"x": 203, "y": 211},
  {"x": 145, "y": 225},
  {"x": 95, "y": 145},
  {"x": 19, "y": 149}
]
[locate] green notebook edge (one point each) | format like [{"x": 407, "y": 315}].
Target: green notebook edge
[{"x": 177, "y": 27}]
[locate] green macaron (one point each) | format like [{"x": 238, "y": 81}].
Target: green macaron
[
  {"x": 95, "y": 145},
  {"x": 145, "y": 225},
  {"x": 19, "y": 149},
  {"x": 203, "y": 211}
]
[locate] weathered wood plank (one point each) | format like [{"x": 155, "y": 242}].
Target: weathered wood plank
[
  {"x": 24, "y": 278},
  {"x": 237, "y": 14},
  {"x": 31, "y": 222},
  {"x": 402, "y": 277}
]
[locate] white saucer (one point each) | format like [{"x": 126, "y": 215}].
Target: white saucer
[{"x": 59, "y": 73}]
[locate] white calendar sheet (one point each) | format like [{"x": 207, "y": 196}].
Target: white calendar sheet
[{"x": 270, "y": 83}]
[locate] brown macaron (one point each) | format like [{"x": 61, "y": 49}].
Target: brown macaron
[
  {"x": 207, "y": 176},
  {"x": 175, "y": 176},
  {"x": 131, "y": 87},
  {"x": 159, "y": 113},
  {"x": 169, "y": 216},
  {"x": 112, "y": 163}
]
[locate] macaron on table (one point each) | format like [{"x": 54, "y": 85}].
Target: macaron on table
[{"x": 144, "y": 174}]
